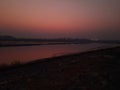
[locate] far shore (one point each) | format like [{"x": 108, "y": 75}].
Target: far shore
[
  {"x": 15, "y": 45},
  {"x": 92, "y": 70}
]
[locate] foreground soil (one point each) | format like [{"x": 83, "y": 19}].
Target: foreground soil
[{"x": 94, "y": 70}]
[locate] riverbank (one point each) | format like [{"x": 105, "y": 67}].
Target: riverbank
[
  {"x": 18, "y": 45},
  {"x": 98, "y": 69}
]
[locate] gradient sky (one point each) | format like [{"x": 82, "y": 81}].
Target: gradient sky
[{"x": 96, "y": 19}]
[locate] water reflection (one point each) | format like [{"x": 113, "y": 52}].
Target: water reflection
[{"x": 29, "y": 53}]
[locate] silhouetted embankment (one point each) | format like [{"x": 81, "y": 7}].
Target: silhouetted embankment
[
  {"x": 93, "y": 70},
  {"x": 10, "y": 41}
]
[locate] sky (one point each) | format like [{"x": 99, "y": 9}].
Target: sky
[{"x": 95, "y": 19}]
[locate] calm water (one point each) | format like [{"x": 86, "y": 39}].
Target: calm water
[{"x": 29, "y": 53}]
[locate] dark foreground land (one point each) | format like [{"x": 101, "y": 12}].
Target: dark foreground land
[{"x": 95, "y": 70}]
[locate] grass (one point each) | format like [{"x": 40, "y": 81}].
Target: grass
[{"x": 13, "y": 64}]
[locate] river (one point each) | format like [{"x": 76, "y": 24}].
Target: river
[{"x": 29, "y": 53}]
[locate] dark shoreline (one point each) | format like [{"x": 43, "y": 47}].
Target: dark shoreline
[
  {"x": 20, "y": 45},
  {"x": 92, "y": 70},
  {"x": 17, "y": 45}
]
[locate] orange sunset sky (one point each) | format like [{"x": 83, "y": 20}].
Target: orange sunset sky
[{"x": 60, "y": 18}]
